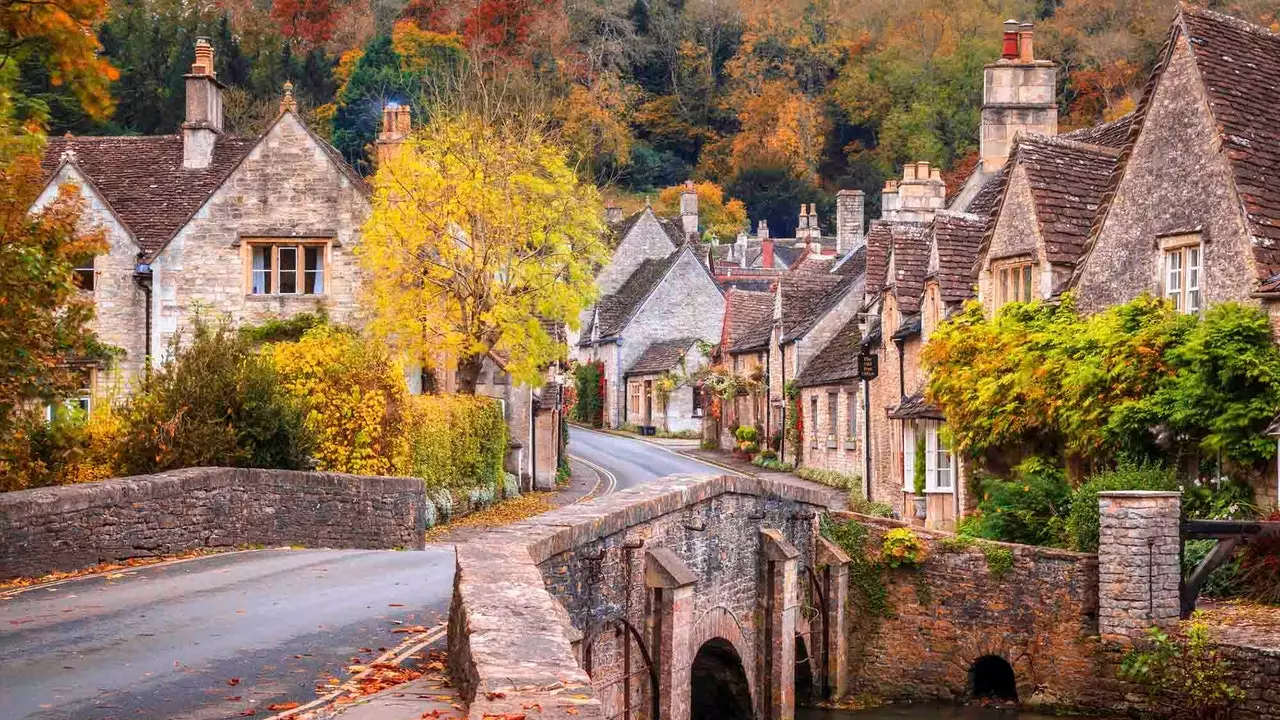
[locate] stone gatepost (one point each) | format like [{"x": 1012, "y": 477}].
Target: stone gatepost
[
  {"x": 835, "y": 592},
  {"x": 776, "y": 650},
  {"x": 1139, "y": 562},
  {"x": 672, "y": 583}
]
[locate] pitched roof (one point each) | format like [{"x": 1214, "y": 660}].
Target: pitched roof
[
  {"x": 615, "y": 310},
  {"x": 1112, "y": 134},
  {"x": 987, "y": 199},
  {"x": 1067, "y": 181},
  {"x": 915, "y": 407},
  {"x": 744, "y": 310},
  {"x": 910, "y": 327},
  {"x": 806, "y": 297},
  {"x": 143, "y": 180},
  {"x": 754, "y": 337},
  {"x": 671, "y": 226},
  {"x": 956, "y": 237},
  {"x": 910, "y": 263},
  {"x": 837, "y": 361},
  {"x": 661, "y": 357},
  {"x": 1240, "y": 66},
  {"x": 748, "y": 283}
]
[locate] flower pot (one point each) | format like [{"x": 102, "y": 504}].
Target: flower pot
[{"x": 920, "y": 503}]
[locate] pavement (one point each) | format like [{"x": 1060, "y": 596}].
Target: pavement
[{"x": 228, "y": 635}]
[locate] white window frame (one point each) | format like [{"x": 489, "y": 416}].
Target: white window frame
[
  {"x": 909, "y": 456},
  {"x": 833, "y": 419},
  {"x": 813, "y": 421},
  {"x": 1182, "y": 272},
  {"x": 87, "y": 268},
  {"x": 936, "y": 450},
  {"x": 851, "y": 421}
]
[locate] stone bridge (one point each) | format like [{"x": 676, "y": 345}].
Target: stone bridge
[{"x": 689, "y": 597}]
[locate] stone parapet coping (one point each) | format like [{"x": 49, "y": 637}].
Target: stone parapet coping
[
  {"x": 176, "y": 483},
  {"x": 935, "y": 535},
  {"x": 511, "y": 641}
]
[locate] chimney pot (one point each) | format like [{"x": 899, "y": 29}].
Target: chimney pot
[
  {"x": 762, "y": 230},
  {"x": 935, "y": 174},
  {"x": 922, "y": 170},
  {"x": 203, "y": 121},
  {"x": 203, "y": 64},
  {"x": 1009, "y": 51},
  {"x": 909, "y": 171},
  {"x": 1026, "y": 44}
]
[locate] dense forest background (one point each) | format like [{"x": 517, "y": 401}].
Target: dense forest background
[{"x": 777, "y": 102}]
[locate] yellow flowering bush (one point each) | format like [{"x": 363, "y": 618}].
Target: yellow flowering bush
[
  {"x": 456, "y": 441},
  {"x": 355, "y": 399},
  {"x": 901, "y": 547}
]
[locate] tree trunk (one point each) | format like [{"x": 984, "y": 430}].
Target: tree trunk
[{"x": 469, "y": 373}]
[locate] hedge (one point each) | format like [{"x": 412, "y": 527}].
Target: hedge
[{"x": 456, "y": 441}]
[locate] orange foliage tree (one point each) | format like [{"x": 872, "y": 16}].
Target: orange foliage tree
[{"x": 61, "y": 34}]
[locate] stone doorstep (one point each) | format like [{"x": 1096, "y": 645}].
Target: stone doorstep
[{"x": 411, "y": 701}]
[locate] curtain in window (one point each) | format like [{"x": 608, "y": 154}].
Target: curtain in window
[{"x": 262, "y": 270}]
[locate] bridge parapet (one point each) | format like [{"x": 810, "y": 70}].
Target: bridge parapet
[{"x": 584, "y": 610}]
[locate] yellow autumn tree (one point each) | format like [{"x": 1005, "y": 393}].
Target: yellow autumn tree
[
  {"x": 481, "y": 234},
  {"x": 718, "y": 217}
]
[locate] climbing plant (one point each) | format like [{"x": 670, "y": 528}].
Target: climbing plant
[
  {"x": 1185, "y": 675},
  {"x": 589, "y": 387}
]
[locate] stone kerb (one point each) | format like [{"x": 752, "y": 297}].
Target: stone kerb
[
  {"x": 77, "y": 526},
  {"x": 511, "y": 642},
  {"x": 1139, "y": 562}
]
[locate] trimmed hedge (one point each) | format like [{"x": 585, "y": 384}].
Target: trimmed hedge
[{"x": 456, "y": 441}]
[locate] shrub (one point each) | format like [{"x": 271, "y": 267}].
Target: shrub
[
  {"x": 903, "y": 548},
  {"x": 748, "y": 447},
  {"x": 1185, "y": 676},
  {"x": 588, "y": 385},
  {"x": 1028, "y": 509},
  {"x": 216, "y": 402},
  {"x": 921, "y": 466},
  {"x": 442, "y": 500},
  {"x": 774, "y": 465},
  {"x": 69, "y": 448},
  {"x": 510, "y": 486},
  {"x": 955, "y": 543},
  {"x": 480, "y": 497},
  {"x": 830, "y": 477},
  {"x": 456, "y": 441},
  {"x": 768, "y": 454},
  {"x": 999, "y": 559},
  {"x": 1082, "y": 521},
  {"x": 290, "y": 329},
  {"x": 861, "y": 505},
  {"x": 355, "y": 397},
  {"x": 746, "y": 434}
]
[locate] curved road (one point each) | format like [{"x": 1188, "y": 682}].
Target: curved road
[{"x": 228, "y": 635}]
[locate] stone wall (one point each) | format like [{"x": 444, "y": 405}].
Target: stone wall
[
  {"x": 1140, "y": 562},
  {"x": 647, "y": 239},
  {"x": 77, "y": 526},
  {"x": 1040, "y": 617},
  {"x": 843, "y": 453}
]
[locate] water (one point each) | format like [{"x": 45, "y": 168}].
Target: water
[{"x": 925, "y": 712}]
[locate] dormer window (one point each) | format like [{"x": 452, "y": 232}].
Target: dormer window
[
  {"x": 1012, "y": 281},
  {"x": 287, "y": 268},
  {"x": 1183, "y": 270}
]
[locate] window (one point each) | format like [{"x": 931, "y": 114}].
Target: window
[
  {"x": 1182, "y": 270},
  {"x": 82, "y": 399},
  {"x": 85, "y": 277},
  {"x": 286, "y": 268},
  {"x": 1013, "y": 283},
  {"x": 832, "y": 421},
  {"x": 813, "y": 422},
  {"x": 938, "y": 460},
  {"x": 697, "y": 400},
  {"x": 909, "y": 456},
  {"x": 851, "y": 426},
  {"x": 633, "y": 389}
]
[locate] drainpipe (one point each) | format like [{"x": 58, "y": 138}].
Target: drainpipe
[
  {"x": 533, "y": 443},
  {"x": 142, "y": 277},
  {"x": 866, "y": 435},
  {"x": 782, "y": 444},
  {"x": 902, "y": 369}
]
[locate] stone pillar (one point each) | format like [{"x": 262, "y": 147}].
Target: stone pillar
[
  {"x": 1139, "y": 562},
  {"x": 835, "y": 592},
  {"x": 672, "y": 582},
  {"x": 776, "y": 651}
]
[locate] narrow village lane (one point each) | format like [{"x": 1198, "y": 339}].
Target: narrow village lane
[
  {"x": 215, "y": 637},
  {"x": 631, "y": 462}
]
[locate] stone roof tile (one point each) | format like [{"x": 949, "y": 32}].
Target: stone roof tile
[
  {"x": 837, "y": 361},
  {"x": 661, "y": 357}
]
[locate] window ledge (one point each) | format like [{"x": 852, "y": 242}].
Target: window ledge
[
  {"x": 939, "y": 491},
  {"x": 265, "y": 297}
]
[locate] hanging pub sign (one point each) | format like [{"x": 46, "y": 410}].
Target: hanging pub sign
[{"x": 868, "y": 366}]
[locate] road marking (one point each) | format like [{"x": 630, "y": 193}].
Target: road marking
[
  {"x": 395, "y": 656},
  {"x": 663, "y": 448},
  {"x": 612, "y": 480}
]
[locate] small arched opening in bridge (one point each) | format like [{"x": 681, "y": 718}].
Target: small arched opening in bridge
[
  {"x": 718, "y": 688},
  {"x": 804, "y": 673},
  {"x": 991, "y": 676}
]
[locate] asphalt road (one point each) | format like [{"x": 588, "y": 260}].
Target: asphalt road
[
  {"x": 632, "y": 462},
  {"x": 167, "y": 642},
  {"x": 220, "y": 636}
]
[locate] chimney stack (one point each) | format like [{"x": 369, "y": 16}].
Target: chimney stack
[
  {"x": 396, "y": 122},
  {"x": 850, "y": 206},
  {"x": 203, "y": 123},
  {"x": 917, "y": 197},
  {"x": 1018, "y": 95},
  {"x": 612, "y": 213},
  {"x": 287, "y": 103},
  {"x": 766, "y": 244},
  {"x": 689, "y": 210}
]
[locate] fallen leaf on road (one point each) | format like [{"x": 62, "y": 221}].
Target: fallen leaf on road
[
  {"x": 395, "y": 605},
  {"x": 114, "y": 576},
  {"x": 247, "y": 713},
  {"x": 280, "y": 707},
  {"x": 410, "y": 629},
  {"x": 495, "y": 695},
  {"x": 233, "y": 682}
]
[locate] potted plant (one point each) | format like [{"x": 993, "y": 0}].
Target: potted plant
[
  {"x": 746, "y": 446},
  {"x": 921, "y": 462}
]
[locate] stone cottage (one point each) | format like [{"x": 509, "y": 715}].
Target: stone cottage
[
  {"x": 249, "y": 228},
  {"x": 744, "y": 311},
  {"x": 676, "y": 408},
  {"x": 664, "y": 298}
]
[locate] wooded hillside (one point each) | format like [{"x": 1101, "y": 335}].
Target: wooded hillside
[{"x": 778, "y": 102}]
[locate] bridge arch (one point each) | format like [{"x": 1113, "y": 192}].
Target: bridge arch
[
  {"x": 991, "y": 676},
  {"x": 719, "y": 688},
  {"x": 720, "y": 623}
]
